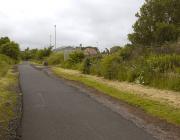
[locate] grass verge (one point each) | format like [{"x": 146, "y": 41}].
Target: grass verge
[
  {"x": 154, "y": 108},
  {"x": 8, "y": 101}
]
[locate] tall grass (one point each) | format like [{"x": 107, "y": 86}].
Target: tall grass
[
  {"x": 55, "y": 58},
  {"x": 153, "y": 66},
  {"x": 152, "y": 107},
  {"x": 5, "y": 63}
]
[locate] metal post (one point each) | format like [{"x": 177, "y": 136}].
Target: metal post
[
  {"x": 55, "y": 36},
  {"x": 50, "y": 41}
]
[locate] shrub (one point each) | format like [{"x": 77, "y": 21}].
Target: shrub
[
  {"x": 74, "y": 61},
  {"x": 10, "y": 49},
  {"x": 5, "y": 62},
  {"x": 110, "y": 66},
  {"x": 163, "y": 63},
  {"x": 55, "y": 58},
  {"x": 86, "y": 66},
  {"x": 76, "y": 57}
]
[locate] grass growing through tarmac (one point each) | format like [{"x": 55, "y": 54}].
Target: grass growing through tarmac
[
  {"x": 154, "y": 108},
  {"x": 8, "y": 100}
]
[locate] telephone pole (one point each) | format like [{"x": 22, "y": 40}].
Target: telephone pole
[
  {"x": 50, "y": 40},
  {"x": 55, "y": 36}
]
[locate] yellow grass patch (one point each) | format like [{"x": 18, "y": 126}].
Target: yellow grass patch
[{"x": 165, "y": 96}]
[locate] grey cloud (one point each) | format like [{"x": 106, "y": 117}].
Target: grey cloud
[{"x": 82, "y": 21}]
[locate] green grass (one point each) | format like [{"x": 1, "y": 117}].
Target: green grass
[
  {"x": 154, "y": 108},
  {"x": 5, "y": 62},
  {"x": 8, "y": 98},
  {"x": 8, "y": 95}
]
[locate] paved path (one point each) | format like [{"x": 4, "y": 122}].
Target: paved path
[{"x": 54, "y": 110}]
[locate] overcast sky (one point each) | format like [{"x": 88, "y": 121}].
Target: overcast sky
[{"x": 30, "y": 22}]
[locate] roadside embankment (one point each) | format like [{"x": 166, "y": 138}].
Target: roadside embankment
[
  {"x": 162, "y": 104},
  {"x": 10, "y": 101}
]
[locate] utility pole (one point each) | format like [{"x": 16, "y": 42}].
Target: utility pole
[
  {"x": 50, "y": 41},
  {"x": 55, "y": 36}
]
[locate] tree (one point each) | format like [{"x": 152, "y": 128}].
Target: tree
[
  {"x": 10, "y": 49},
  {"x": 158, "y": 21},
  {"x": 4, "y": 40},
  {"x": 114, "y": 49},
  {"x": 165, "y": 33},
  {"x": 40, "y": 54}
]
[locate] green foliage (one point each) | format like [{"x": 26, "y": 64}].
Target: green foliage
[
  {"x": 38, "y": 54},
  {"x": 9, "y": 48},
  {"x": 95, "y": 67},
  {"x": 166, "y": 32},
  {"x": 4, "y": 40},
  {"x": 154, "y": 66},
  {"x": 140, "y": 65},
  {"x": 55, "y": 58},
  {"x": 29, "y": 54},
  {"x": 114, "y": 49},
  {"x": 9, "y": 99},
  {"x": 5, "y": 63},
  {"x": 163, "y": 63},
  {"x": 86, "y": 66},
  {"x": 158, "y": 22},
  {"x": 43, "y": 53},
  {"x": 76, "y": 57},
  {"x": 110, "y": 66}
]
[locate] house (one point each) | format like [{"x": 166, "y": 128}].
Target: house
[{"x": 90, "y": 51}]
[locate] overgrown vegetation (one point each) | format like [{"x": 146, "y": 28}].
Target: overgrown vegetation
[
  {"x": 9, "y": 48},
  {"x": 153, "y": 66},
  {"x": 8, "y": 102},
  {"x": 36, "y": 54},
  {"x": 152, "y": 107},
  {"x": 5, "y": 63},
  {"x": 9, "y": 56}
]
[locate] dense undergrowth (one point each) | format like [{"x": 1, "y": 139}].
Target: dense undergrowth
[
  {"x": 5, "y": 63},
  {"x": 152, "y": 66},
  {"x": 8, "y": 95}
]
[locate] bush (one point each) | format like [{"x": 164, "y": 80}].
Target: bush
[
  {"x": 163, "y": 63},
  {"x": 110, "y": 66},
  {"x": 142, "y": 65},
  {"x": 86, "y": 66},
  {"x": 10, "y": 49},
  {"x": 74, "y": 61},
  {"x": 5, "y": 63},
  {"x": 55, "y": 58},
  {"x": 76, "y": 57}
]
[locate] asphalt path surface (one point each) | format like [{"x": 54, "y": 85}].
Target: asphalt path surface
[{"x": 54, "y": 110}]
